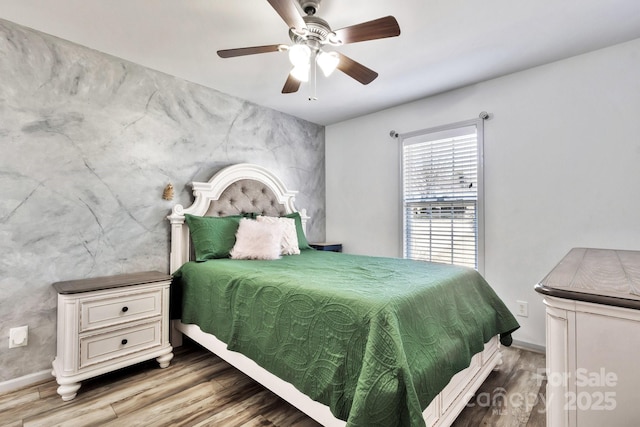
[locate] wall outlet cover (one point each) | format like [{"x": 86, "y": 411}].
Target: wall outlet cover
[
  {"x": 18, "y": 337},
  {"x": 523, "y": 308}
]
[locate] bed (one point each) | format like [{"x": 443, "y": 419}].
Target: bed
[{"x": 347, "y": 339}]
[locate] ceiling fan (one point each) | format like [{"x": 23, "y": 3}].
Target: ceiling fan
[{"x": 310, "y": 35}]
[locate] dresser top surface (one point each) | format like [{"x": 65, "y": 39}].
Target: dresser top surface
[
  {"x": 602, "y": 276},
  {"x": 109, "y": 282}
]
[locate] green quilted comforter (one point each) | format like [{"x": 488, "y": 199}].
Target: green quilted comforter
[{"x": 375, "y": 339}]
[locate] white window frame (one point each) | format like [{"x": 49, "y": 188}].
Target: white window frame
[{"x": 479, "y": 124}]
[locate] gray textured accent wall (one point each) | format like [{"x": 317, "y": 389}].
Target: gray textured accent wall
[{"x": 88, "y": 143}]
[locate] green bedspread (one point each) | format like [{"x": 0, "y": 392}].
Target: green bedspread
[{"x": 375, "y": 339}]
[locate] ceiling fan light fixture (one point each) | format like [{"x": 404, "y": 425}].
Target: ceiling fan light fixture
[
  {"x": 300, "y": 72},
  {"x": 328, "y": 62},
  {"x": 309, "y": 34},
  {"x": 299, "y": 55}
]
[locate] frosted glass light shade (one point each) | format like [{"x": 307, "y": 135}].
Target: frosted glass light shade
[
  {"x": 299, "y": 55},
  {"x": 328, "y": 61},
  {"x": 300, "y": 72}
]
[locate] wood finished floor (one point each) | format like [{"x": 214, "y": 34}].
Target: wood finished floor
[{"x": 199, "y": 389}]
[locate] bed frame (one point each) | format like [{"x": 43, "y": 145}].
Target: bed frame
[{"x": 251, "y": 188}]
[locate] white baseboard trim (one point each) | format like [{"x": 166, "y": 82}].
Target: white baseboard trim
[
  {"x": 25, "y": 381},
  {"x": 528, "y": 346}
]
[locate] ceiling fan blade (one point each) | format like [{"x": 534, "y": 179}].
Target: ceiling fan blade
[
  {"x": 356, "y": 70},
  {"x": 288, "y": 12},
  {"x": 230, "y": 53},
  {"x": 291, "y": 85},
  {"x": 370, "y": 30}
]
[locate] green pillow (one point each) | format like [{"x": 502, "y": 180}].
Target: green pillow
[
  {"x": 213, "y": 237},
  {"x": 302, "y": 239}
]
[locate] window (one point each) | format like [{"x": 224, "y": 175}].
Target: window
[{"x": 441, "y": 194}]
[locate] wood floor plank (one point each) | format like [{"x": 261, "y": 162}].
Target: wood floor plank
[
  {"x": 160, "y": 389},
  {"x": 258, "y": 421},
  {"x": 173, "y": 410},
  {"x": 108, "y": 388},
  {"x": 32, "y": 409},
  {"x": 14, "y": 400},
  {"x": 238, "y": 414},
  {"x": 538, "y": 417},
  {"x": 228, "y": 405},
  {"x": 511, "y": 406},
  {"x": 48, "y": 389},
  {"x": 280, "y": 413},
  {"x": 116, "y": 387},
  {"x": 88, "y": 415},
  {"x": 531, "y": 361}
]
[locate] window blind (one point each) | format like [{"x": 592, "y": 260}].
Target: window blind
[{"x": 440, "y": 196}]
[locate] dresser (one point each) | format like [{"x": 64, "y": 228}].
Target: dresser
[
  {"x": 107, "y": 323},
  {"x": 592, "y": 300}
]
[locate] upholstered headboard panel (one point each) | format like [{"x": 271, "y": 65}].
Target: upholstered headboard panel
[
  {"x": 247, "y": 196},
  {"x": 237, "y": 189}
]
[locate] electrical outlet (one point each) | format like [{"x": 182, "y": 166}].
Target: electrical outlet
[
  {"x": 523, "y": 308},
  {"x": 18, "y": 337}
]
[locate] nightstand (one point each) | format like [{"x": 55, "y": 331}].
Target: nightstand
[
  {"x": 107, "y": 323},
  {"x": 324, "y": 246}
]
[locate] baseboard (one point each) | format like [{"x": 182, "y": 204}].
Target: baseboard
[
  {"x": 25, "y": 381},
  {"x": 528, "y": 346}
]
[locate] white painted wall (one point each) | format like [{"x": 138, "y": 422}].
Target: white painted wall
[{"x": 562, "y": 169}]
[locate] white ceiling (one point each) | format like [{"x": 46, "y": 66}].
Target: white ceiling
[{"x": 444, "y": 44}]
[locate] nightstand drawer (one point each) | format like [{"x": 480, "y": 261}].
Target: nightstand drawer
[
  {"x": 99, "y": 348},
  {"x": 97, "y": 313}
]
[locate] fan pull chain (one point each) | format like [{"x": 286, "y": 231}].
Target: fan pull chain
[{"x": 313, "y": 96}]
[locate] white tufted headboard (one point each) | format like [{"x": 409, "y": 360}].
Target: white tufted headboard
[{"x": 237, "y": 189}]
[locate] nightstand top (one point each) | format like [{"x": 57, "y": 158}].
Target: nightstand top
[
  {"x": 326, "y": 246},
  {"x": 109, "y": 282}
]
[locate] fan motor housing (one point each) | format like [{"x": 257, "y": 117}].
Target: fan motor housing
[
  {"x": 317, "y": 27},
  {"x": 317, "y": 32}
]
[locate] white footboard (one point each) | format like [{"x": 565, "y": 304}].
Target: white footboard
[{"x": 442, "y": 411}]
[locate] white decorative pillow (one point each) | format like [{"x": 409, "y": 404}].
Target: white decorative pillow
[
  {"x": 289, "y": 243},
  {"x": 257, "y": 240}
]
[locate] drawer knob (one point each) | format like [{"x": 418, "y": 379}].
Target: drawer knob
[
  {"x": 124, "y": 341},
  {"x": 125, "y": 309}
]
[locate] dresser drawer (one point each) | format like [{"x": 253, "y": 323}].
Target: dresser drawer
[
  {"x": 101, "y": 347},
  {"x": 97, "y": 313}
]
